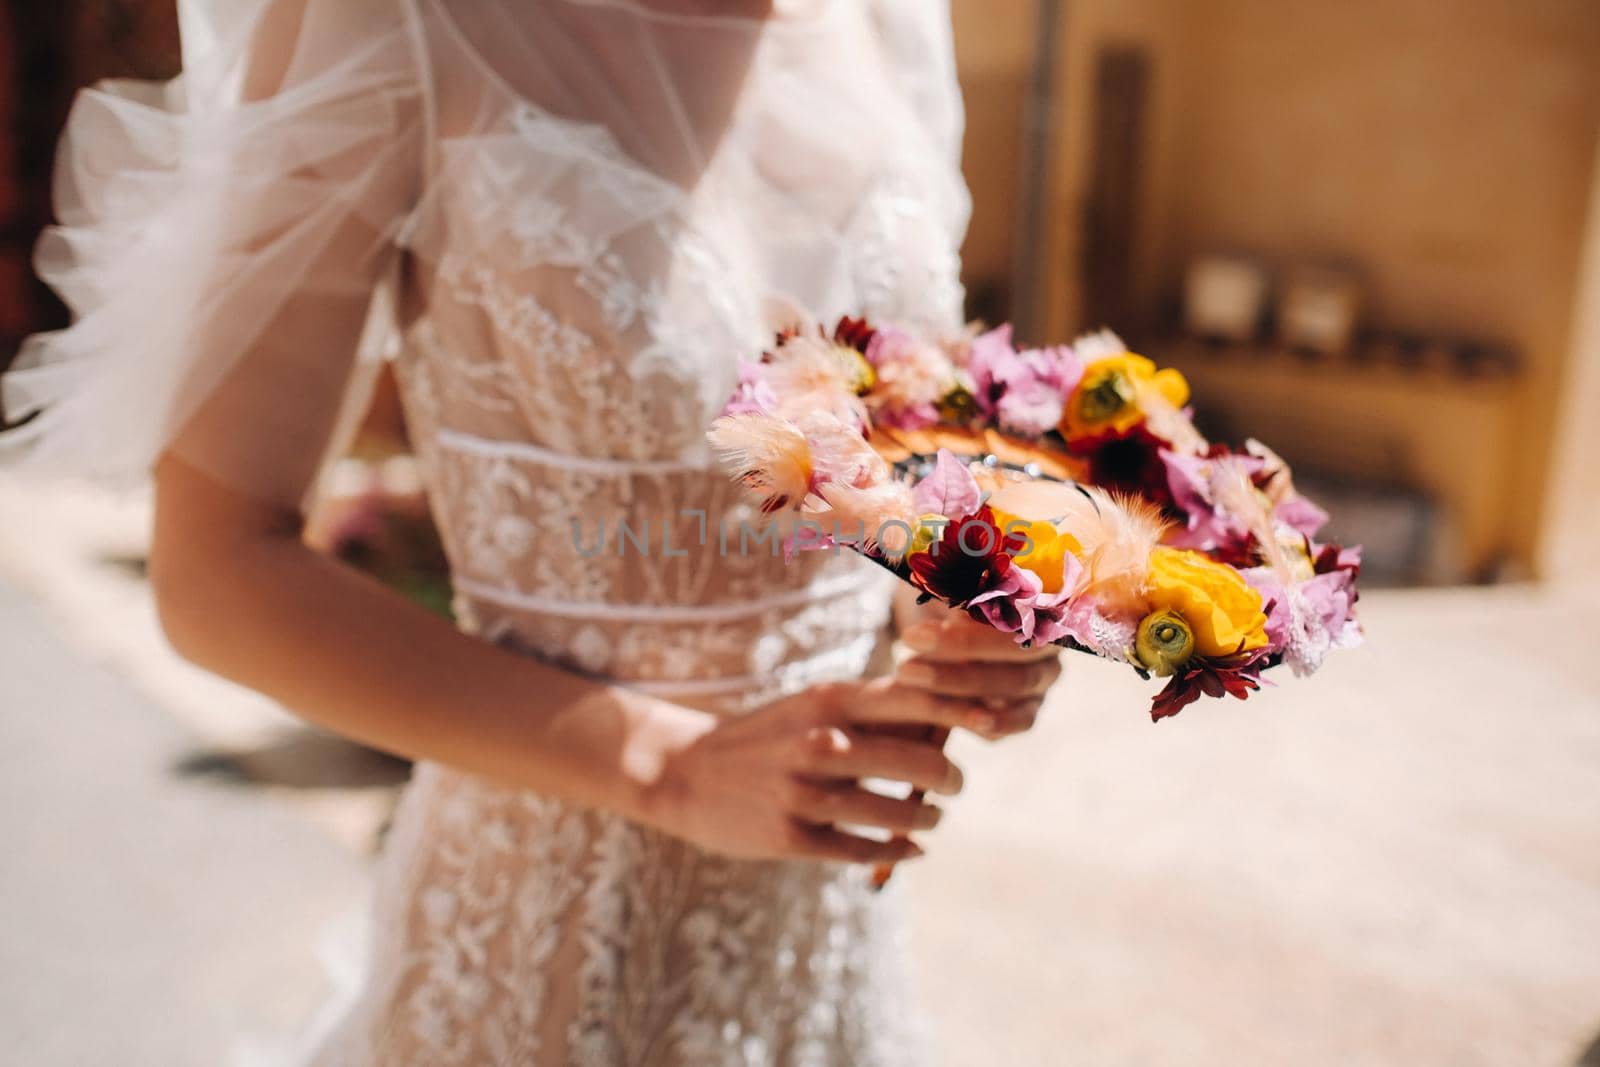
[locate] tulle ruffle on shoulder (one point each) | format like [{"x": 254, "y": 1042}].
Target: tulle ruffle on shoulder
[
  {"x": 635, "y": 175},
  {"x": 219, "y": 240}
]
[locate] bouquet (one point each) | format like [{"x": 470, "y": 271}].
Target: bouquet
[{"x": 1059, "y": 494}]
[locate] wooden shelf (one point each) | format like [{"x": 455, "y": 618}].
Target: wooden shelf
[{"x": 1369, "y": 423}]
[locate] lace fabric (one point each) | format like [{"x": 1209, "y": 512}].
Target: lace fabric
[
  {"x": 576, "y": 212},
  {"x": 513, "y": 929}
]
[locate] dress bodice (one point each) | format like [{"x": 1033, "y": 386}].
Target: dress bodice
[
  {"x": 583, "y": 212},
  {"x": 576, "y": 320}
]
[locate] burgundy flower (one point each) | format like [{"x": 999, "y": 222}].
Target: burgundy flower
[
  {"x": 971, "y": 557},
  {"x": 1129, "y": 463},
  {"x": 1330, "y": 558},
  {"x": 1237, "y": 675},
  {"x": 854, "y": 333}
]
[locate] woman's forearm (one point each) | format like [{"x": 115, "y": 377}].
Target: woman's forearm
[{"x": 343, "y": 651}]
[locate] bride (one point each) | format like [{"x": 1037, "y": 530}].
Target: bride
[{"x": 637, "y": 832}]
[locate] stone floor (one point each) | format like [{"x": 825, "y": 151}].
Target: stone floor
[
  {"x": 153, "y": 915},
  {"x": 1394, "y": 863},
  {"x": 1397, "y": 863}
]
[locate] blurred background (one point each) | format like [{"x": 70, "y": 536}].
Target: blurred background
[{"x": 1367, "y": 232}]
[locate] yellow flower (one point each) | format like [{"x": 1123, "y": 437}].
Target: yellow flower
[
  {"x": 929, "y": 528},
  {"x": 857, "y": 371},
  {"x": 1115, "y": 393},
  {"x": 1221, "y": 609},
  {"x": 1046, "y": 554}
]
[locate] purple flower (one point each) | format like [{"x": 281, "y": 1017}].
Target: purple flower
[
  {"x": 1065, "y": 612},
  {"x": 1226, "y": 513},
  {"x": 1008, "y": 605},
  {"x": 988, "y": 358},
  {"x": 753, "y": 395},
  {"x": 1308, "y": 619},
  {"x": 1300, "y": 515},
  {"x": 1023, "y": 392},
  {"x": 1080, "y": 618},
  {"x": 1217, "y": 494},
  {"x": 949, "y": 489}
]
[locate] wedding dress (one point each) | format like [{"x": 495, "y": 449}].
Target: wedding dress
[{"x": 565, "y": 221}]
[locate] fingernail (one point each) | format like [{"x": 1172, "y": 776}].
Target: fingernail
[{"x": 981, "y": 721}]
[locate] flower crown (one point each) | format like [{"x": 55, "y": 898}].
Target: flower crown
[{"x": 1060, "y": 494}]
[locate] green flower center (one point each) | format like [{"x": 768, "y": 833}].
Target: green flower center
[
  {"x": 1105, "y": 399},
  {"x": 957, "y": 405},
  {"x": 858, "y": 371},
  {"x": 1164, "y": 642}
]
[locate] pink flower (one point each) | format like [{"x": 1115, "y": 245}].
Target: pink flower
[
  {"x": 839, "y": 454},
  {"x": 1022, "y": 392},
  {"x": 753, "y": 395},
  {"x": 1084, "y": 620},
  {"x": 808, "y": 375},
  {"x": 1218, "y": 497},
  {"x": 1288, "y": 506},
  {"x": 1008, "y": 604},
  {"x": 949, "y": 489},
  {"x": 1018, "y": 604},
  {"x": 1300, "y": 515},
  {"x": 1308, "y": 619},
  {"x": 989, "y": 359},
  {"x": 1226, "y": 513},
  {"x": 912, "y": 377}
]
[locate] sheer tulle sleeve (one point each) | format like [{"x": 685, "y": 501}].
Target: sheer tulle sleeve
[
  {"x": 917, "y": 35},
  {"x": 220, "y": 241},
  {"x": 919, "y": 40}
]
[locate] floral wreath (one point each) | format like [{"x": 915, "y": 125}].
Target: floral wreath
[{"x": 1060, "y": 494}]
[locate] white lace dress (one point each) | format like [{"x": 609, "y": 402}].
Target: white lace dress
[{"x": 576, "y": 213}]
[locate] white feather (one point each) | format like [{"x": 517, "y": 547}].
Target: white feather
[{"x": 1117, "y": 535}]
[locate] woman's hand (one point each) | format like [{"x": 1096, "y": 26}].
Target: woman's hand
[
  {"x": 956, "y": 656},
  {"x": 785, "y": 780}
]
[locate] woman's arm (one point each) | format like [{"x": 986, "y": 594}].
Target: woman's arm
[{"x": 239, "y": 593}]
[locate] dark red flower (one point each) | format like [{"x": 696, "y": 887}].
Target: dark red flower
[
  {"x": 972, "y": 556},
  {"x": 1330, "y": 558},
  {"x": 1129, "y": 463},
  {"x": 854, "y": 333},
  {"x": 1238, "y": 675}
]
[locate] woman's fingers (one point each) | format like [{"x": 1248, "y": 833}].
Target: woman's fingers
[
  {"x": 845, "y": 801},
  {"x": 835, "y": 752},
  {"x": 886, "y": 700},
  {"x": 981, "y": 680},
  {"x": 960, "y": 638},
  {"x": 1014, "y": 717},
  {"x": 996, "y": 700},
  {"x": 827, "y": 843}
]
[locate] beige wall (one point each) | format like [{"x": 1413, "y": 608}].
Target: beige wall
[
  {"x": 1571, "y": 544},
  {"x": 1446, "y": 148},
  {"x": 994, "y": 50},
  {"x": 1160, "y": 26}
]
